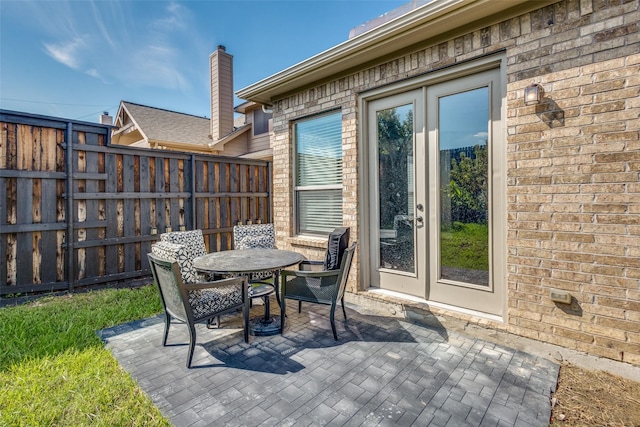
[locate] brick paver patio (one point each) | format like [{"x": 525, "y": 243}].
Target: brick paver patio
[{"x": 382, "y": 371}]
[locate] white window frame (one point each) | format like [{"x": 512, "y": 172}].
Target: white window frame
[{"x": 297, "y": 189}]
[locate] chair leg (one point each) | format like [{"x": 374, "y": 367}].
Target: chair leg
[
  {"x": 167, "y": 323},
  {"x": 283, "y": 311},
  {"x": 192, "y": 344},
  {"x": 333, "y": 321},
  {"x": 343, "y": 310},
  {"x": 276, "y": 285},
  {"x": 299, "y": 306},
  {"x": 245, "y": 314}
]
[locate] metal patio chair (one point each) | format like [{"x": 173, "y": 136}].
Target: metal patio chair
[
  {"x": 257, "y": 236},
  {"x": 193, "y": 242},
  {"x": 325, "y": 287},
  {"x": 192, "y": 303}
]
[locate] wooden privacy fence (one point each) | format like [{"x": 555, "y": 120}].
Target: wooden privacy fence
[{"x": 77, "y": 212}]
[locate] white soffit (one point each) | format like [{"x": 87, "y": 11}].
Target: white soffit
[{"x": 424, "y": 23}]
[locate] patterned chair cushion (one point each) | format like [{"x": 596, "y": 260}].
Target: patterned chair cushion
[
  {"x": 205, "y": 301},
  {"x": 255, "y": 236},
  {"x": 192, "y": 240},
  {"x": 253, "y": 242},
  {"x": 260, "y": 234},
  {"x": 178, "y": 253}
]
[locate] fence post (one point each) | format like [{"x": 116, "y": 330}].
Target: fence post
[{"x": 69, "y": 247}]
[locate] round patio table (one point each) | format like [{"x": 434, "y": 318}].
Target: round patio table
[{"x": 244, "y": 262}]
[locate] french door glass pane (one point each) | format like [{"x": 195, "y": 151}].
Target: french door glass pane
[
  {"x": 396, "y": 187},
  {"x": 320, "y": 211},
  {"x": 463, "y": 125}
]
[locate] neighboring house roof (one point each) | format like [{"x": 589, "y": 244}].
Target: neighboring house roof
[
  {"x": 433, "y": 21},
  {"x": 219, "y": 145},
  {"x": 159, "y": 126}
]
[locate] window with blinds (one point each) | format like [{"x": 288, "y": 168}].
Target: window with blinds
[{"x": 318, "y": 174}]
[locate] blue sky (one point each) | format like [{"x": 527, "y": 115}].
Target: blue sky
[{"x": 75, "y": 59}]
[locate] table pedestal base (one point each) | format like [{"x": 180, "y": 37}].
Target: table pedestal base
[{"x": 261, "y": 327}]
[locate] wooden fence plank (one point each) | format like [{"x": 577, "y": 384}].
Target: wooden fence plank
[
  {"x": 24, "y": 242},
  {"x": 128, "y": 212},
  {"x": 145, "y": 211},
  {"x": 48, "y": 272},
  {"x": 5, "y": 129},
  {"x": 95, "y": 255},
  {"x": 111, "y": 214},
  {"x": 11, "y": 161},
  {"x": 24, "y": 148},
  {"x": 161, "y": 222},
  {"x": 173, "y": 207},
  {"x": 3, "y": 235}
]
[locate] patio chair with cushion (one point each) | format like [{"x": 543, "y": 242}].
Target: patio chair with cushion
[
  {"x": 338, "y": 242},
  {"x": 319, "y": 287},
  {"x": 193, "y": 242},
  {"x": 183, "y": 255},
  {"x": 193, "y": 303},
  {"x": 256, "y": 236}
]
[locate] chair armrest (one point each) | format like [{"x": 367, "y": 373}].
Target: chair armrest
[
  {"x": 308, "y": 265},
  {"x": 299, "y": 273},
  {"x": 216, "y": 284}
]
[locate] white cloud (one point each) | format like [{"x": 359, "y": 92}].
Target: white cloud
[
  {"x": 153, "y": 49},
  {"x": 481, "y": 135},
  {"x": 93, "y": 73},
  {"x": 66, "y": 52}
]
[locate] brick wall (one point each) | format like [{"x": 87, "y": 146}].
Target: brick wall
[{"x": 574, "y": 165}]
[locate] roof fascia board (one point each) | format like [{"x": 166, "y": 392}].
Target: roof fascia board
[
  {"x": 184, "y": 146},
  {"x": 424, "y": 23}
]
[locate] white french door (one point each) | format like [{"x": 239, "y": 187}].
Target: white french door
[{"x": 437, "y": 192}]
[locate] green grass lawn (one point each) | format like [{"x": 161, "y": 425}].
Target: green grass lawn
[
  {"x": 465, "y": 246},
  {"x": 55, "y": 371}
]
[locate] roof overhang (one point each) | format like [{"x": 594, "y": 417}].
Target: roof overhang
[
  {"x": 246, "y": 106},
  {"x": 426, "y": 25},
  {"x": 219, "y": 144}
]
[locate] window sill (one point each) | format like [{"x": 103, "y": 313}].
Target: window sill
[{"x": 308, "y": 242}]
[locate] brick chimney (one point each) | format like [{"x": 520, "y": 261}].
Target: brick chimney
[
  {"x": 221, "y": 93},
  {"x": 105, "y": 119}
]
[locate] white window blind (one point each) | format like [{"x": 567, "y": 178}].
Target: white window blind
[{"x": 319, "y": 174}]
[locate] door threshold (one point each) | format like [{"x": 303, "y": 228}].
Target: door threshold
[{"x": 461, "y": 313}]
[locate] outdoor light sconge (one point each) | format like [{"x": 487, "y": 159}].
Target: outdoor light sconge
[{"x": 533, "y": 94}]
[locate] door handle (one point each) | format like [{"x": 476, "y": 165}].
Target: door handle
[{"x": 419, "y": 221}]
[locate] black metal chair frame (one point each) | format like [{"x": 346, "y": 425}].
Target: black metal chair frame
[
  {"x": 175, "y": 299},
  {"x": 318, "y": 287}
]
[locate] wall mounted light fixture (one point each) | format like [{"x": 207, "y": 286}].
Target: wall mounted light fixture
[{"x": 533, "y": 94}]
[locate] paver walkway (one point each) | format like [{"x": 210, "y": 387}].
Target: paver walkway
[{"x": 382, "y": 371}]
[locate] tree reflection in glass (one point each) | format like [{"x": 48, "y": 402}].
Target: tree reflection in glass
[
  {"x": 463, "y": 130},
  {"x": 396, "y": 188}
]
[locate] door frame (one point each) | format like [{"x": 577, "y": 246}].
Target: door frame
[{"x": 439, "y": 76}]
